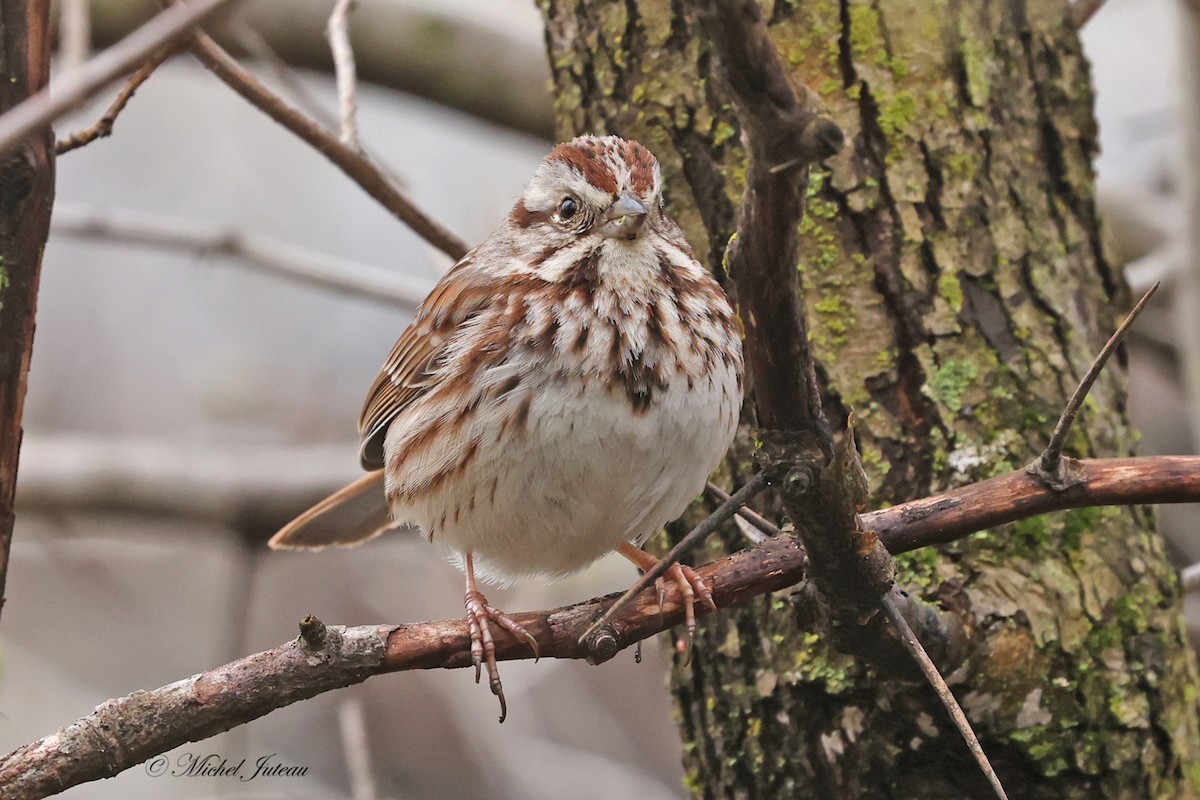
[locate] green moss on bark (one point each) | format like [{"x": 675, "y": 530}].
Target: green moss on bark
[{"x": 957, "y": 288}]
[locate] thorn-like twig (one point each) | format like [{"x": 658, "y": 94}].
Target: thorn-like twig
[
  {"x": 704, "y": 529},
  {"x": 338, "y": 33},
  {"x": 1050, "y": 459},
  {"x": 750, "y": 515},
  {"x": 909, "y": 639},
  {"x": 104, "y": 126}
]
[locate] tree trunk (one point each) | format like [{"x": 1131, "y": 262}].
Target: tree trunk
[
  {"x": 957, "y": 289},
  {"x": 26, "y": 194}
]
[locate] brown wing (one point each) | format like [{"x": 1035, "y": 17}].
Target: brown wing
[{"x": 411, "y": 367}]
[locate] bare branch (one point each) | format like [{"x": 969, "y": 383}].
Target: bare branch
[
  {"x": 1018, "y": 495},
  {"x": 913, "y": 645},
  {"x": 356, "y": 165},
  {"x": 1048, "y": 462},
  {"x": 782, "y": 135},
  {"x": 260, "y": 253},
  {"x": 1083, "y": 10},
  {"x": 162, "y": 31},
  {"x": 124, "y": 732},
  {"x": 75, "y": 32},
  {"x": 104, "y": 126},
  {"x": 338, "y": 33}
]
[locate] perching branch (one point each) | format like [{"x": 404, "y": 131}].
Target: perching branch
[
  {"x": 124, "y": 732},
  {"x": 137, "y": 48},
  {"x": 698, "y": 534},
  {"x": 259, "y": 253},
  {"x": 356, "y": 165},
  {"x": 104, "y": 126}
]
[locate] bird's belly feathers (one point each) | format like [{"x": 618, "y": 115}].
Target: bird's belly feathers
[{"x": 585, "y": 471}]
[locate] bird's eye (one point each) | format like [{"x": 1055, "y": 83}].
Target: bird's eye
[{"x": 567, "y": 208}]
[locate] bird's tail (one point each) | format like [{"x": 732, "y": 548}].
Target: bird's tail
[{"x": 349, "y": 516}]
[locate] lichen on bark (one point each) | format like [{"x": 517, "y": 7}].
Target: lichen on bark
[{"x": 956, "y": 289}]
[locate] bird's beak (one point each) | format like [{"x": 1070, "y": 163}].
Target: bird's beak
[{"x": 624, "y": 218}]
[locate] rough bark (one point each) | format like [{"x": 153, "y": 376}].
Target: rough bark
[
  {"x": 957, "y": 289},
  {"x": 26, "y": 194}
]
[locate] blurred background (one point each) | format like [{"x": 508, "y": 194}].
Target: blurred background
[{"x": 184, "y": 401}]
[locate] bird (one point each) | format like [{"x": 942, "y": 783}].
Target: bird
[{"x": 563, "y": 392}]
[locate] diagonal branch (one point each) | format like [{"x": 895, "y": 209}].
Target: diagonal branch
[
  {"x": 104, "y": 126},
  {"x": 356, "y": 165},
  {"x": 162, "y": 31},
  {"x": 124, "y": 732},
  {"x": 930, "y": 670}
]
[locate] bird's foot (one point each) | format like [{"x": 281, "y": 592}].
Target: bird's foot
[
  {"x": 480, "y": 615},
  {"x": 691, "y": 587}
]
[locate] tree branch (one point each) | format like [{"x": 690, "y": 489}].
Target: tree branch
[
  {"x": 124, "y": 732},
  {"x": 356, "y": 165},
  {"x": 75, "y": 87},
  {"x": 782, "y": 136},
  {"x": 1018, "y": 495},
  {"x": 26, "y": 195},
  {"x": 104, "y": 126},
  {"x": 259, "y": 253},
  {"x": 911, "y": 643}
]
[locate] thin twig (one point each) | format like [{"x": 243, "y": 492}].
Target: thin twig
[
  {"x": 723, "y": 512},
  {"x": 338, "y": 33},
  {"x": 75, "y": 32},
  {"x": 356, "y": 165},
  {"x": 1083, "y": 10},
  {"x": 745, "y": 512},
  {"x": 104, "y": 126},
  {"x": 1049, "y": 461},
  {"x": 260, "y": 253},
  {"x": 909, "y": 639},
  {"x": 129, "y": 730},
  {"x": 164, "y": 30}
]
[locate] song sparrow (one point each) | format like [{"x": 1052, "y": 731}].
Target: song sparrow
[{"x": 563, "y": 392}]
